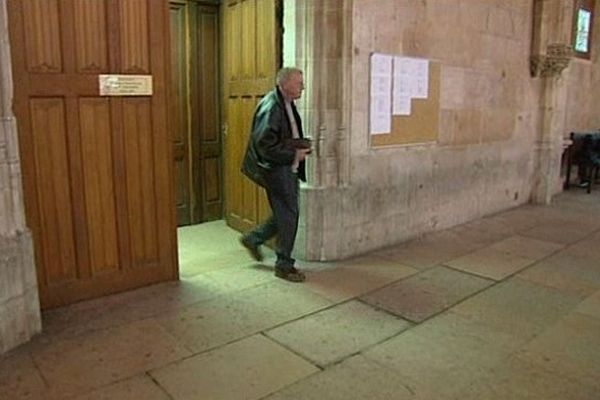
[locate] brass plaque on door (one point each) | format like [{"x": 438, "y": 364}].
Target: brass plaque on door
[{"x": 125, "y": 85}]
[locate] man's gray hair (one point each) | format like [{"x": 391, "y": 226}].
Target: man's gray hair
[{"x": 284, "y": 74}]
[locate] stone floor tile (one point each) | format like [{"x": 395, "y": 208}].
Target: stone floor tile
[
  {"x": 249, "y": 369},
  {"x": 420, "y": 296},
  {"x": 356, "y": 378},
  {"x": 481, "y": 232},
  {"x": 124, "y": 308},
  {"x": 590, "y": 306},
  {"x": 140, "y": 387},
  {"x": 587, "y": 248},
  {"x": 565, "y": 231},
  {"x": 336, "y": 333},
  {"x": 566, "y": 272},
  {"x": 490, "y": 263},
  {"x": 210, "y": 246},
  {"x": 95, "y": 359},
  {"x": 515, "y": 379},
  {"x": 225, "y": 319},
  {"x": 527, "y": 247},
  {"x": 571, "y": 347},
  {"x": 519, "y": 308},
  {"x": 504, "y": 258},
  {"x": 429, "y": 250},
  {"x": 228, "y": 280},
  {"x": 20, "y": 379},
  {"x": 512, "y": 221},
  {"x": 352, "y": 278},
  {"x": 443, "y": 355}
]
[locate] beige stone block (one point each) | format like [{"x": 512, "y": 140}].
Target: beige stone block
[
  {"x": 248, "y": 369},
  {"x": 570, "y": 273},
  {"x": 468, "y": 124},
  {"x": 517, "y": 308},
  {"x": 430, "y": 250},
  {"x": 10, "y": 270},
  {"x": 519, "y": 380},
  {"x": 26, "y": 254},
  {"x": 141, "y": 387},
  {"x": 210, "y": 324},
  {"x": 32, "y": 312},
  {"x": 590, "y": 306},
  {"x": 452, "y": 87},
  {"x": 567, "y": 232},
  {"x": 428, "y": 293},
  {"x": 14, "y": 326},
  {"x": 571, "y": 348},
  {"x": 500, "y": 21},
  {"x": 20, "y": 379},
  {"x": 331, "y": 335},
  {"x": 359, "y": 276},
  {"x": 504, "y": 258},
  {"x": 356, "y": 378},
  {"x": 443, "y": 356},
  {"x": 164, "y": 299},
  {"x": 497, "y": 125},
  {"x": 89, "y": 361}
]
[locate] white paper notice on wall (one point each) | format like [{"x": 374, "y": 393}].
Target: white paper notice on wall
[
  {"x": 395, "y": 82},
  {"x": 381, "y": 94},
  {"x": 411, "y": 81}
]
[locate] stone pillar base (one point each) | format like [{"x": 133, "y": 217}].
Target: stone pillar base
[{"x": 20, "y": 317}]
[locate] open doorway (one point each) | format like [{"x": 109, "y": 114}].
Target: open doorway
[
  {"x": 224, "y": 56},
  {"x": 194, "y": 111}
]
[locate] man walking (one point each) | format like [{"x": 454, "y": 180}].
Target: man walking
[{"x": 275, "y": 160}]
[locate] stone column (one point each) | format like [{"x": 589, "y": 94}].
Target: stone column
[
  {"x": 551, "y": 54},
  {"x": 19, "y": 305},
  {"x": 322, "y": 34}
]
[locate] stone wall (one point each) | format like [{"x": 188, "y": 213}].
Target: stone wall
[
  {"x": 497, "y": 124},
  {"x": 19, "y": 306}
]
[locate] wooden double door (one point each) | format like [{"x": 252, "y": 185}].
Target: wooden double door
[
  {"x": 212, "y": 107},
  {"x": 194, "y": 108},
  {"x": 107, "y": 178}
]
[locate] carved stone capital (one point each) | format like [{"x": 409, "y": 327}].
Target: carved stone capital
[{"x": 551, "y": 64}]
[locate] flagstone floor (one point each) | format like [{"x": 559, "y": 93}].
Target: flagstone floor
[{"x": 504, "y": 307}]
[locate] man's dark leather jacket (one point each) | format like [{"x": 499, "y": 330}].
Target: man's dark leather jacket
[{"x": 270, "y": 144}]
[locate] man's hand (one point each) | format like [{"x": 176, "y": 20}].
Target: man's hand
[{"x": 301, "y": 155}]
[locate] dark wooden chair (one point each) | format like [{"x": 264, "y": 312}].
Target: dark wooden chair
[{"x": 584, "y": 152}]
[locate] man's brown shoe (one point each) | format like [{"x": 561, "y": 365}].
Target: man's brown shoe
[
  {"x": 252, "y": 248},
  {"x": 290, "y": 274}
]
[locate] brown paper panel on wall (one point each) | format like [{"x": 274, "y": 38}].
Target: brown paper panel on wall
[{"x": 422, "y": 125}]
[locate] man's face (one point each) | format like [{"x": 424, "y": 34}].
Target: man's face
[{"x": 293, "y": 86}]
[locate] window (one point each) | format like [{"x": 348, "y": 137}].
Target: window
[{"x": 582, "y": 27}]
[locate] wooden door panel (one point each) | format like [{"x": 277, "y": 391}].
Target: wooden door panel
[
  {"x": 139, "y": 147},
  {"x": 249, "y": 190},
  {"x": 180, "y": 92},
  {"x": 251, "y": 58},
  {"x": 98, "y": 189},
  {"x": 55, "y": 223},
  {"x": 96, "y": 170},
  {"x": 42, "y": 38},
  {"x": 249, "y": 39},
  {"x": 234, "y": 159},
  {"x": 91, "y": 37},
  {"x": 134, "y": 43},
  {"x": 208, "y": 153}
]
